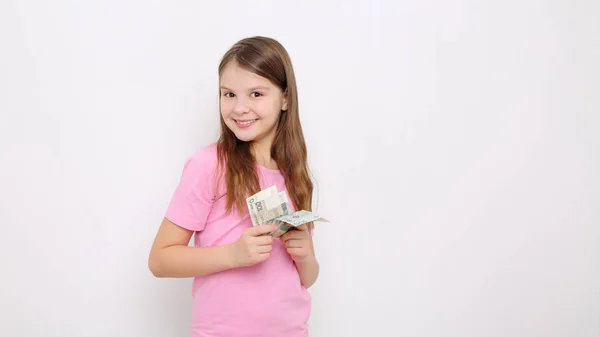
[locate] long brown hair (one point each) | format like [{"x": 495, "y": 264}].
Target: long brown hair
[{"x": 266, "y": 57}]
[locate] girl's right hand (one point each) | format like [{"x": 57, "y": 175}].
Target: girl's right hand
[{"x": 252, "y": 247}]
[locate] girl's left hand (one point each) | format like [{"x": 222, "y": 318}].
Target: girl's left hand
[{"x": 297, "y": 242}]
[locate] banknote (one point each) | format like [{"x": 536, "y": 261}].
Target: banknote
[
  {"x": 290, "y": 221},
  {"x": 254, "y": 205},
  {"x": 300, "y": 218},
  {"x": 282, "y": 228},
  {"x": 272, "y": 207}
]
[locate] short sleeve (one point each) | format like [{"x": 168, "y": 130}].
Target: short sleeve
[{"x": 193, "y": 197}]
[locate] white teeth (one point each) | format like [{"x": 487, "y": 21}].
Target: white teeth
[{"x": 245, "y": 122}]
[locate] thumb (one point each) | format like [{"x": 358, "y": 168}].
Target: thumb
[
  {"x": 302, "y": 227},
  {"x": 260, "y": 229}
]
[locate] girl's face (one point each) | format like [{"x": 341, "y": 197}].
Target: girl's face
[{"x": 250, "y": 104}]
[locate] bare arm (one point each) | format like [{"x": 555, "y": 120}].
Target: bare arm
[
  {"x": 299, "y": 244},
  {"x": 308, "y": 270},
  {"x": 171, "y": 256}
]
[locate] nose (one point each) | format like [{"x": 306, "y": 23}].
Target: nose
[{"x": 241, "y": 106}]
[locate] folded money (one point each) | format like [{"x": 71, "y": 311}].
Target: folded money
[
  {"x": 272, "y": 207},
  {"x": 299, "y": 218},
  {"x": 254, "y": 203}
]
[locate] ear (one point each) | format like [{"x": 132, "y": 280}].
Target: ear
[{"x": 284, "y": 105}]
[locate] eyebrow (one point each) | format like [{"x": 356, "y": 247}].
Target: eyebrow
[{"x": 251, "y": 89}]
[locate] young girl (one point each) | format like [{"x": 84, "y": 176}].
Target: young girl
[{"x": 245, "y": 283}]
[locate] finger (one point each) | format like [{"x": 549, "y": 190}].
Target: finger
[
  {"x": 284, "y": 237},
  {"x": 263, "y": 240},
  {"x": 292, "y": 234},
  {"x": 302, "y": 227},
  {"x": 263, "y": 256},
  {"x": 293, "y": 243},
  {"x": 264, "y": 249},
  {"x": 260, "y": 230},
  {"x": 295, "y": 251}
]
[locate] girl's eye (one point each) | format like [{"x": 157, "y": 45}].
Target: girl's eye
[
  {"x": 228, "y": 94},
  {"x": 258, "y": 94}
]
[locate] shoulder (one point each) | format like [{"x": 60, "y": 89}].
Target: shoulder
[
  {"x": 203, "y": 160},
  {"x": 195, "y": 193},
  {"x": 200, "y": 168}
]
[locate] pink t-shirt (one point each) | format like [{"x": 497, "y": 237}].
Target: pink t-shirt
[{"x": 263, "y": 300}]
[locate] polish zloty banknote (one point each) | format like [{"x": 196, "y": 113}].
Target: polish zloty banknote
[
  {"x": 271, "y": 207},
  {"x": 291, "y": 221},
  {"x": 254, "y": 202},
  {"x": 282, "y": 228},
  {"x": 300, "y": 217}
]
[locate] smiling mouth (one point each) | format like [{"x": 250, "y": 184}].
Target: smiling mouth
[{"x": 245, "y": 122}]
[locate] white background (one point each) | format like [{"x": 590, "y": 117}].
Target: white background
[{"x": 455, "y": 145}]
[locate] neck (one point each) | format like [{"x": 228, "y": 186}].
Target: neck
[{"x": 262, "y": 154}]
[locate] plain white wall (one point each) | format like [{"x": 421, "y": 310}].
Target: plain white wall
[{"x": 455, "y": 146}]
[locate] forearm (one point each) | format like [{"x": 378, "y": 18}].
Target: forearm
[
  {"x": 179, "y": 261},
  {"x": 308, "y": 270}
]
